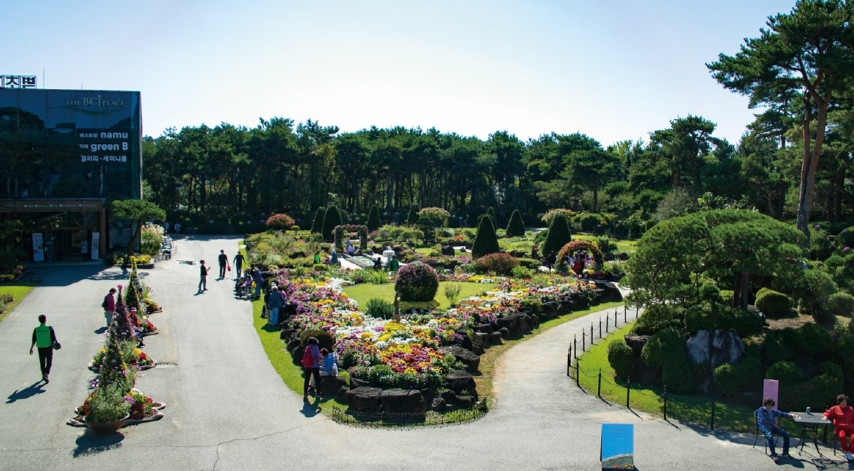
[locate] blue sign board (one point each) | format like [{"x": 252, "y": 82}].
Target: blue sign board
[{"x": 617, "y": 447}]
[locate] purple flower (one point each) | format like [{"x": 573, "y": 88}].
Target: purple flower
[
  {"x": 846, "y": 249},
  {"x": 817, "y": 226}
]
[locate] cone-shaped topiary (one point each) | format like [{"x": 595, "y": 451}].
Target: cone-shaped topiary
[
  {"x": 516, "y": 227},
  {"x": 485, "y": 242},
  {"x": 558, "y": 235},
  {"x": 374, "y": 218},
  {"x": 413, "y": 215},
  {"x": 317, "y": 224},
  {"x": 120, "y": 328},
  {"x": 330, "y": 220},
  {"x": 491, "y": 212},
  {"x": 132, "y": 297},
  {"x": 417, "y": 282}
]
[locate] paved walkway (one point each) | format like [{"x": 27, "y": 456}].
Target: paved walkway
[{"x": 228, "y": 409}]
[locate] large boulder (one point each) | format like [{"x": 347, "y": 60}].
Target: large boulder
[
  {"x": 550, "y": 309},
  {"x": 483, "y": 328},
  {"x": 714, "y": 348},
  {"x": 461, "y": 380},
  {"x": 364, "y": 398},
  {"x": 636, "y": 342},
  {"x": 330, "y": 385},
  {"x": 477, "y": 344},
  {"x": 403, "y": 401},
  {"x": 357, "y": 383},
  {"x": 467, "y": 357}
]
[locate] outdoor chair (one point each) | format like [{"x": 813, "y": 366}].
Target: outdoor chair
[{"x": 760, "y": 434}]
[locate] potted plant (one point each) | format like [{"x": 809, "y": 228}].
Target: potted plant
[{"x": 106, "y": 409}]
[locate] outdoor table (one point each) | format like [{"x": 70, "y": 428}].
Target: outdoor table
[{"x": 810, "y": 422}]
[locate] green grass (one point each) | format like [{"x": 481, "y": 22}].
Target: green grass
[
  {"x": 19, "y": 291},
  {"x": 363, "y": 292},
  {"x": 694, "y": 409},
  {"x": 628, "y": 246}
]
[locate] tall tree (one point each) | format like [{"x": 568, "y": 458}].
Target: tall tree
[{"x": 136, "y": 211}]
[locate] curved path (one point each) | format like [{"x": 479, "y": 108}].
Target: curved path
[{"x": 228, "y": 409}]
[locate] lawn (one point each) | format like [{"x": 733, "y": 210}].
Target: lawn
[
  {"x": 623, "y": 245},
  {"x": 694, "y": 409},
  {"x": 18, "y": 290},
  {"x": 363, "y": 292}
]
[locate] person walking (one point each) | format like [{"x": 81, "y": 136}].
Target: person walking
[
  {"x": 109, "y": 306},
  {"x": 203, "y": 273},
  {"x": 44, "y": 338},
  {"x": 223, "y": 263},
  {"x": 766, "y": 420},
  {"x": 311, "y": 365},
  {"x": 238, "y": 264}
]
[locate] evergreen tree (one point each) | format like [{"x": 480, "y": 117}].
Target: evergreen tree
[
  {"x": 485, "y": 242},
  {"x": 374, "y": 218},
  {"x": 413, "y": 215},
  {"x": 491, "y": 212},
  {"x": 559, "y": 235},
  {"x": 317, "y": 224},
  {"x": 516, "y": 227},
  {"x": 330, "y": 220}
]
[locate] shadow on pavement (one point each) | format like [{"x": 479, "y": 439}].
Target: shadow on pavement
[
  {"x": 90, "y": 444},
  {"x": 309, "y": 409},
  {"x": 100, "y": 330},
  {"x": 29, "y": 391}
]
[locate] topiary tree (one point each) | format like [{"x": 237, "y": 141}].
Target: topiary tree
[
  {"x": 317, "y": 224},
  {"x": 485, "y": 242},
  {"x": 331, "y": 219},
  {"x": 416, "y": 282},
  {"x": 491, "y": 213},
  {"x": 516, "y": 226},
  {"x": 785, "y": 372},
  {"x": 374, "y": 218},
  {"x": 666, "y": 350},
  {"x": 841, "y": 304},
  {"x": 281, "y": 222},
  {"x": 558, "y": 235},
  {"x": 773, "y": 304},
  {"x": 413, "y": 215},
  {"x": 622, "y": 358}
]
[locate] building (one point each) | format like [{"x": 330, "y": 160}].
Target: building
[{"x": 64, "y": 155}]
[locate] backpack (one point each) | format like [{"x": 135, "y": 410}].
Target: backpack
[
  {"x": 104, "y": 304},
  {"x": 307, "y": 361}
]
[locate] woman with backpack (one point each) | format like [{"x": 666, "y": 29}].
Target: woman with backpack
[{"x": 311, "y": 366}]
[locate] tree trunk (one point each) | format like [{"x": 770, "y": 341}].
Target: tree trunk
[{"x": 810, "y": 164}]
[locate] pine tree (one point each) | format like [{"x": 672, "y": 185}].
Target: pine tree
[
  {"x": 374, "y": 218},
  {"x": 516, "y": 227},
  {"x": 330, "y": 220},
  {"x": 317, "y": 224},
  {"x": 485, "y": 242},
  {"x": 559, "y": 235},
  {"x": 413, "y": 215}
]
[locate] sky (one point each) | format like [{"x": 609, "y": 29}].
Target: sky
[{"x": 613, "y": 70}]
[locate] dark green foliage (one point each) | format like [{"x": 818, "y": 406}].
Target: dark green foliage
[
  {"x": 330, "y": 220},
  {"x": 541, "y": 237},
  {"x": 710, "y": 292},
  {"x": 818, "y": 392},
  {"x": 814, "y": 340},
  {"x": 529, "y": 263},
  {"x": 814, "y": 293},
  {"x": 413, "y": 215},
  {"x": 558, "y": 236},
  {"x": 516, "y": 226},
  {"x": 780, "y": 345},
  {"x": 659, "y": 317},
  {"x": 374, "y": 218},
  {"x": 736, "y": 378},
  {"x": 485, "y": 242},
  {"x": 773, "y": 304},
  {"x": 491, "y": 213},
  {"x": 497, "y": 263},
  {"x": 666, "y": 350},
  {"x": 833, "y": 262},
  {"x": 417, "y": 282},
  {"x": 324, "y": 339},
  {"x": 379, "y": 308},
  {"x": 841, "y": 304},
  {"x": 622, "y": 358},
  {"x": 785, "y": 372},
  {"x": 713, "y": 316}
]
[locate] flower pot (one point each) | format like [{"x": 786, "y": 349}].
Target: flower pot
[{"x": 106, "y": 428}]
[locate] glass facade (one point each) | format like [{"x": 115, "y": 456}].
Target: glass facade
[{"x": 70, "y": 144}]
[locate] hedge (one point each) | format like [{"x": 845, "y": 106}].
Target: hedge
[
  {"x": 622, "y": 358},
  {"x": 773, "y": 304}
]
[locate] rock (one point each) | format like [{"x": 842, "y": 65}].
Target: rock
[
  {"x": 449, "y": 397},
  {"x": 477, "y": 344},
  {"x": 714, "y": 348},
  {"x": 448, "y": 250},
  {"x": 698, "y": 347},
  {"x": 467, "y": 357},
  {"x": 329, "y": 385},
  {"x": 342, "y": 396},
  {"x": 364, "y": 398},
  {"x": 566, "y": 306},
  {"x": 296, "y": 354},
  {"x": 428, "y": 395},
  {"x": 294, "y": 344},
  {"x": 461, "y": 380},
  {"x": 358, "y": 383},
  {"x": 636, "y": 342},
  {"x": 466, "y": 340},
  {"x": 438, "y": 404},
  {"x": 484, "y": 339},
  {"x": 483, "y": 328},
  {"x": 505, "y": 333},
  {"x": 550, "y": 310},
  {"x": 495, "y": 338},
  {"x": 509, "y": 322},
  {"x": 403, "y": 401},
  {"x": 465, "y": 402}
]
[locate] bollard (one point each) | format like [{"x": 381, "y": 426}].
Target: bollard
[
  {"x": 628, "y": 391},
  {"x": 665, "y": 402},
  {"x": 599, "y": 386},
  {"x": 713, "y": 413}
]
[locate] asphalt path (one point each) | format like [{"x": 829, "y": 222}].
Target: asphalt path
[{"x": 227, "y": 409}]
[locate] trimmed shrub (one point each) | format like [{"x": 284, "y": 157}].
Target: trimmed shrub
[
  {"x": 317, "y": 224},
  {"x": 816, "y": 290},
  {"x": 818, "y": 392},
  {"x": 558, "y": 235},
  {"x": 330, "y": 220},
  {"x": 735, "y": 378},
  {"x": 416, "y": 282},
  {"x": 773, "y": 304},
  {"x": 713, "y": 316},
  {"x": 622, "y": 358},
  {"x": 814, "y": 340},
  {"x": 521, "y": 272},
  {"x": 491, "y": 213},
  {"x": 324, "y": 338},
  {"x": 780, "y": 345},
  {"x": 485, "y": 242},
  {"x": 516, "y": 226},
  {"x": 658, "y": 317},
  {"x": 785, "y": 372},
  {"x": 841, "y": 304},
  {"x": 498, "y": 263},
  {"x": 666, "y": 350},
  {"x": 296, "y": 228},
  {"x": 281, "y": 222},
  {"x": 413, "y": 215},
  {"x": 373, "y": 219},
  {"x": 529, "y": 263}
]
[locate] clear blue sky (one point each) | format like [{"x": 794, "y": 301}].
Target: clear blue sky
[{"x": 614, "y": 70}]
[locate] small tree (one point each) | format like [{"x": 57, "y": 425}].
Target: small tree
[
  {"x": 281, "y": 222},
  {"x": 485, "y": 242},
  {"x": 558, "y": 235},
  {"x": 317, "y": 224},
  {"x": 516, "y": 227},
  {"x": 413, "y": 215},
  {"x": 491, "y": 213},
  {"x": 374, "y": 218},
  {"x": 433, "y": 217},
  {"x": 136, "y": 211},
  {"x": 330, "y": 220}
]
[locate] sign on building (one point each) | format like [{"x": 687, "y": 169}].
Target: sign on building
[{"x": 17, "y": 81}]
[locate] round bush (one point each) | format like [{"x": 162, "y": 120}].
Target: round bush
[
  {"x": 498, "y": 263},
  {"x": 281, "y": 222},
  {"x": 773, "y": 304},
  {"x": 785, "y": 372},
  {"x": 622, "y": 358},
  {"x": 841, "y": 304},
  {"x": 417, "y": 282},
  {"x": 734, "y": 378}
]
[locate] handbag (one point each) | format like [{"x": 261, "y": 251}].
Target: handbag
[
  {"x": 56, "y": 345},
  {"x": 229, "y": 267}
]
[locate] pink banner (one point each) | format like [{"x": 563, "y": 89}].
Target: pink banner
[{"x": 771, "y": 389}]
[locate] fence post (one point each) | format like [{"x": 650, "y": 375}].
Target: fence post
[
  {"x": 600, "y": 326},
  {"x": 591, "y": 334},
  {"x": 599, "y": 386},
  {"x": 713, "y": 413},
  {"x": 637, "y": 312},
  {"x": 577, "y": 376},
  {"x": 628, "y": 391},
  {"x": 575, "y": 345},
  {"x": 583, "y": 341},
  {"x": 665, "y": 402},
  {"x": 624, "y": 315},
  {"x": 615, "y": 320},
  {"x": 569, "y": 361}
]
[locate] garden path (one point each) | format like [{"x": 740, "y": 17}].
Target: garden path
[{"x": 228, "y": 409}]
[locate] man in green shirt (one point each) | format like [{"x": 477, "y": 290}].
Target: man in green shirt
[{"x": 43, "y": 338}]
